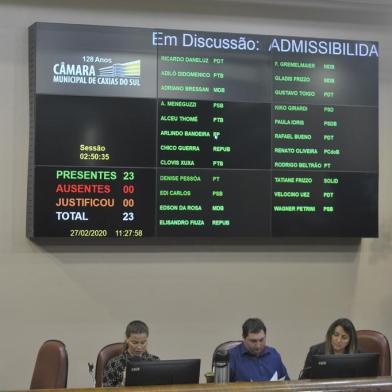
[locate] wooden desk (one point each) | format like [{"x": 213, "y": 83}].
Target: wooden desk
[{"x": 364, "y": 384}]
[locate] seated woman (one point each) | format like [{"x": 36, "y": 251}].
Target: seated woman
[
  {"x": 135, "y": 349},
  {"x": 341, "y": 338}
]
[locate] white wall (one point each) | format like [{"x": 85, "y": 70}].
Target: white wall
[{"x": 193, "y": 297}]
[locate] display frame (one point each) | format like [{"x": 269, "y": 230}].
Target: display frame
[{"x": 285, "y": 225}]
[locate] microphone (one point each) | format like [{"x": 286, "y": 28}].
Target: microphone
[
  {"x": 91, "y": 371},
  {"x": 305, "y": 369}
]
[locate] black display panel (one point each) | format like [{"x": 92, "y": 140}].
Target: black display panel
[{"x": 146, "y": 133}]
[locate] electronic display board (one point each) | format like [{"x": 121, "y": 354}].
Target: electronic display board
[{"x": 165, "y": 133}]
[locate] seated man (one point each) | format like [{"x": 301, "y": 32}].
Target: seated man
[{"x": 253, "y": 360}]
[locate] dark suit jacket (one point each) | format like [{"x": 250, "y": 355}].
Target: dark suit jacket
[{"x": 314, "y": 350}]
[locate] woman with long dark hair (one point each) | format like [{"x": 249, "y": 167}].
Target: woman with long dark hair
[{"x": 341, "y": 338}]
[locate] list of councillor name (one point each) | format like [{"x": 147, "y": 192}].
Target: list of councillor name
[
  {"x": 250, "y": 142},
  {"x": 319, "y": 129}
]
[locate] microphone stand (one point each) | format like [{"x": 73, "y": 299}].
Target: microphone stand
[{"x": 91, "y": 371}]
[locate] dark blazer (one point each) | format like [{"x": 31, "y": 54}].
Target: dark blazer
[
  {"x": 314, "y": 350},
  {"x": 317, "y": 349}
]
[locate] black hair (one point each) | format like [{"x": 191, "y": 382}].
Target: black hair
[
  {"x": 253, "y": 325},
  {"x": 136, "y": 327}
]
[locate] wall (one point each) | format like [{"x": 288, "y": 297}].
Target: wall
[{"x": 193, "y": 297}]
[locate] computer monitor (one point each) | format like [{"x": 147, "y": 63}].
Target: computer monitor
[
  {"x": 178, "y": 371},
  {"x": 344, "y": 366}
]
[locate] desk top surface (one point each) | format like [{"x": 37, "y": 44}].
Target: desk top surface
[{"x": 362, "y": 384}]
